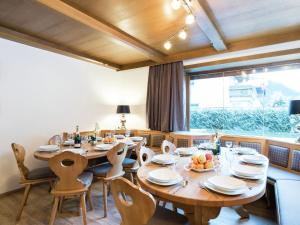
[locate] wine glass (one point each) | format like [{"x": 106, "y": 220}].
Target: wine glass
[
  {"x": 228, "y": 144},
  {"x": 127, "y": 133}
]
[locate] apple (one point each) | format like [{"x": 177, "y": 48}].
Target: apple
[
  {"x": 208, "y": 165},
  {"x": 201, "y": 158},
  {"x": 208, "y": 156}
]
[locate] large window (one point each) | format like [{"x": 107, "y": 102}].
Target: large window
[{"x": 253, "y": 103}]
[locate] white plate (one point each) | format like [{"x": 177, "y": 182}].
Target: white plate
[
  {"x": 245, "y": 151},
  {"x": 245, "y": 170},
  {"x": 137, "y": 138},
  {"x": 254, "y": 159},
  {"x": 246, "y": 177},
  {"x": 104, "y": 147},
  {"x": 165, "y": 184},
  {"x": 164, "y": 159},
  {"x": 127, "y": 142},
  {"x": 188, "y": 167},
  {"x": 186, "y": 151},
  {"x": 164, "y": 175},
  {"x": 227, "y": 183},
  {"x": 214, "y": 188},
  {"x": 69, "y": 142},
  {"x": 79, "y": 151},
  {"x": 48, "y": 148}
]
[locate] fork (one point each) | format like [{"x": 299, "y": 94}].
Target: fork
[
  {"x": 184, "y": 183},
  {"x": 206, "y": 189}
]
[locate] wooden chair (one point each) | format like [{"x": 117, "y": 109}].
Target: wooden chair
[
  {"x": 167, "y": 147},
  {"x": 130, "y": 165},
  {"x": 55, "y": 140},
  {"x": 108, "y": 171},
  {"x": 72, "y": 181},
  {"x": 139, "y": 208},
  {"x": 29, "y": 178},
  {"x": 144, "y": 155}
]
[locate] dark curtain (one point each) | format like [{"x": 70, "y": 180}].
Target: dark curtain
[{"x": 166, "y": 97}]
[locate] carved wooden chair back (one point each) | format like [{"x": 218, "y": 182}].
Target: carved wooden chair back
[
  {"x": 55, "y": 140},
  {"x": 116, "y": 156},
  {"x": 144, "y": 155},
  {"x": 137, "y": 207},
  {"x": 19, "y": 153},
  {"x": 68, "y": 166},
  {"x": 167, "y": 147}
]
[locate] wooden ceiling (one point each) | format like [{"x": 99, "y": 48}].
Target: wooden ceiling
[{"x": 125, "y": 34}]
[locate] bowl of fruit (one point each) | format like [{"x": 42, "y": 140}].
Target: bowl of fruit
[
  {"x": 202, "y": 162},
  {"x": 108, "y": 140}
]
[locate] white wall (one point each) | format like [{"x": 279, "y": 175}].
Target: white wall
[{"x": 42, "y": 94}]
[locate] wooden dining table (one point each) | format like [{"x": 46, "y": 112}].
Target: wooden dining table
[
  {"x": 199, "y": 203},
  {"x": 89, "y": 151}
]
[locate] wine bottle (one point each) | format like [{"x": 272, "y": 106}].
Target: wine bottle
[{"x": 77, "y": 138}]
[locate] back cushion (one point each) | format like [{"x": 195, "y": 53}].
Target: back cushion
[
  {"x": 278, "y": 155},
  {"x": 182, "y": 143},
  {"x": 256, "y": 146},
  {"x": 157, "y": 139},
  {"x": 200, "y": 141},
  {"x": 296, "y": 160}
]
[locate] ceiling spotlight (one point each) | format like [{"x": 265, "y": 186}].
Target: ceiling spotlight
[
  {"x": 254, "y": 71},
  {"x": 266, "y": 69},
  {"x": 182, "y": 34},
  {"x": 167, "y": 45},
  {"x": 175, "y": 4},
  {"x": 189, "y": 19}
]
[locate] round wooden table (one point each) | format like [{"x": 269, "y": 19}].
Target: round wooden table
[
  {"x": 200, "y": 205},
  {"x": 90, "y": 152}
]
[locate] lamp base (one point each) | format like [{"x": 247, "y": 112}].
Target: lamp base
[{"x": 123, "y": 122}]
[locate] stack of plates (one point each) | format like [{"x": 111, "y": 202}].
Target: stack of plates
[
  {"x": 69, "y": 142},
  {"x": 245, "y": 151},
  {"x": 247, "y": 172},
  {"x": 226, "y": 185},
  {"x": 136, "y": 139},
  {"x": 254, "y": 159},
  {"x": 79, "y": 151},
  {"x": 164, "y": 177},
  {"x": 164, "y": 159},
  {"x": 186, "y": 151},
  {"x": 48, "y": 148},
  {"x": 104, "y": 147}
]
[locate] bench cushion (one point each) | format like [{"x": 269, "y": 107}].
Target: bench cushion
[
  {"x": 86, "y": 178},
  {"x": 296, "y": 160},
  {"x": 287, "y": 197},
  {"x": 254, "y": 145},
  {"x": 40, "y": 173},
  {"x": 275, "y": 174}
]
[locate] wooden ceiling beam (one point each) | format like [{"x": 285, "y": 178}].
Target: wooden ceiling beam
[
  {"x": 28, "y": 39},
  {"x": 244, "y": 58},
  {"x": 104, "y": 28},
  {"x": 207, "y": 25}
]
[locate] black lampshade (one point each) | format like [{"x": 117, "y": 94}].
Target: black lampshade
[
  {"x": 294, "y": 108},
  {"x": 123, "y": 109}
]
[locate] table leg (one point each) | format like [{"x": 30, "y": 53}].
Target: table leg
[
  {"x": 202, "y": 215},
  {"x": 243, "y": 213}
]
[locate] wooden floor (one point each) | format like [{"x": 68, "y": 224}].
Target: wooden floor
[{"x": 39, "y": 205}]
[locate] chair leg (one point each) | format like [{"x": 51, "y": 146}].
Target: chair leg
[
  {"x": 105, "y": 197},
  {"x": 89, "y": 196},
  {"x": 60, "y": 205},
  {"x": 54, "y": 211},
  {"x": 83, "y": 208},
  {"x": 24, "y": 200},
  {"x": 131, "y": 177}
]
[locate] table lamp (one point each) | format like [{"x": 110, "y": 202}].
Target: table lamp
[
  {"x": 294, "y": 109},
  {"x": 122, "y": 109}
]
